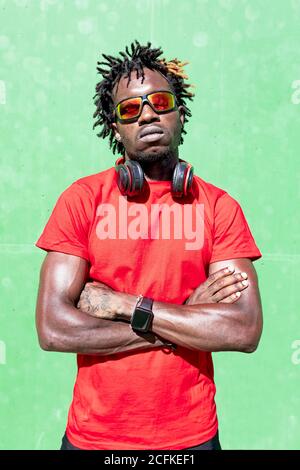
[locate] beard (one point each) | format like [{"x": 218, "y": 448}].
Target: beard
[{"x": 144, "y": 158}]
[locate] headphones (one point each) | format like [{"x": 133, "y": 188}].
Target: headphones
[{"x": 131, "y": 177}]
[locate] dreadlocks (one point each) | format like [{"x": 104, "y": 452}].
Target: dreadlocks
[{"x": 139, "y": 57}]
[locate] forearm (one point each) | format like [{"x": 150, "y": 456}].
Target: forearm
[
  {"x": 207, "y": 327},
  {"x": 74, "y": 331}
]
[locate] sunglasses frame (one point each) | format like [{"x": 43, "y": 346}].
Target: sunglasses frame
[{"x": 145, "y": 100}]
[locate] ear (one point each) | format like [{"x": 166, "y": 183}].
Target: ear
[
  {"x": 181, "y": 114},
  {"x": 116, "y": 132}
]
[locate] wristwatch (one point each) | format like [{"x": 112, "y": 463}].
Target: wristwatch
[{"x": 142, "y": 316}]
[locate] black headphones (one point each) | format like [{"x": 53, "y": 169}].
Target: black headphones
[{"x": 131, "y": 177}]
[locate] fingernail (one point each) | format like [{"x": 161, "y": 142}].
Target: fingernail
[
  {"x": 245, "y": 275},
  {"x": 230, "y": 268},
  {"x": 245, "y": 283}
]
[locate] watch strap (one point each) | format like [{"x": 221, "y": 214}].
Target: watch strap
[{"x": 145, "y": 303}]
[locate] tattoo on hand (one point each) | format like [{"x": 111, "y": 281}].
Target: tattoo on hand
[
  {"x": 99, "y": 307},
  {"x": 87, "y": 303},
  {"x": 104, "y": 303}
]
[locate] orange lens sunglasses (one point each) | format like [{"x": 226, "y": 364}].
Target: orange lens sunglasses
[{"x": 160, "y": 101}]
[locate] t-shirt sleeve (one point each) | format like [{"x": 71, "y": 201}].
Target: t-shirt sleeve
[
  {"x": 68, "y": 226},
  {"x": 232, "y": 237}
]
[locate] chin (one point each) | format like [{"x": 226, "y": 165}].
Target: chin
[{"x": 151, "y": 156}]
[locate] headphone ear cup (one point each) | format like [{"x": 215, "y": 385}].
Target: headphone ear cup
[
  {"x": 136, "y": 177},
  {"x": 188, "y": 181},
  {"x": 124, "y": 178},
  {"x": 178, "y": 179},
  {"x": 182, "y": 179}
]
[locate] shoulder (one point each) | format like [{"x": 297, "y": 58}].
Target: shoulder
[
  {"x": 209, "y": 189},
  {"x": 91, "y": 186},
  {"x": 94, "y": 182},
  {"x": 212, "y": 194},
  {"x": 219, "y": 204}
]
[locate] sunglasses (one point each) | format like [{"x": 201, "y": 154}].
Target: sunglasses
[{"x": 160, "y": 101}]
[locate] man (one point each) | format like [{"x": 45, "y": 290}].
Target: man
[{"x": 131, "y": 287}]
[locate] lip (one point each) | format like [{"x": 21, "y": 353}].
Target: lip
[
  {"x": 150, "y": 130},
  {"x": 152, "y": 137}
]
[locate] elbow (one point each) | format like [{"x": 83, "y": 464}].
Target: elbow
[
  {"x": 51, "y": 336},
  {"x": 44, "y": 344},
  {"x": 251, "y": 328},
  {"x": 53, "y": 339},
  {"x": 47, "y": 340},
  {"x": 48, "y": 335},
  {"x": 43, "y": 332},
  {"x": 251, "y": 339},
  {"x": 250, "y": 347}
]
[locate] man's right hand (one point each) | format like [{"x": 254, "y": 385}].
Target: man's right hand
[{"x": 222, "y": 286}]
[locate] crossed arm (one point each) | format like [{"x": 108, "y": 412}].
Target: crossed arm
[{"x": 101, "y": 323}]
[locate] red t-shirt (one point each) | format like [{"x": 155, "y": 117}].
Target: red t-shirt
[{"x": 148, "y": 399}]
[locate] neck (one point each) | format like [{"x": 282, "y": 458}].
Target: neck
[{"x": 158, "y": 167}]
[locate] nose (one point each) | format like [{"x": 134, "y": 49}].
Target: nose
[{"x": 148, "y": 115}]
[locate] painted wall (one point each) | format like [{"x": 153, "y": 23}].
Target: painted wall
[{"x": 243, "y": 137}]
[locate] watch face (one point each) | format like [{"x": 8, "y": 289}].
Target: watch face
[{"x": 141, "y": 319}]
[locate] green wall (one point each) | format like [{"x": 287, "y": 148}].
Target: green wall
[{"x": 243, "y": 137}]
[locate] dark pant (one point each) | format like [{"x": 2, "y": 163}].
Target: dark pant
[{"x": 212, "y": 444}]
